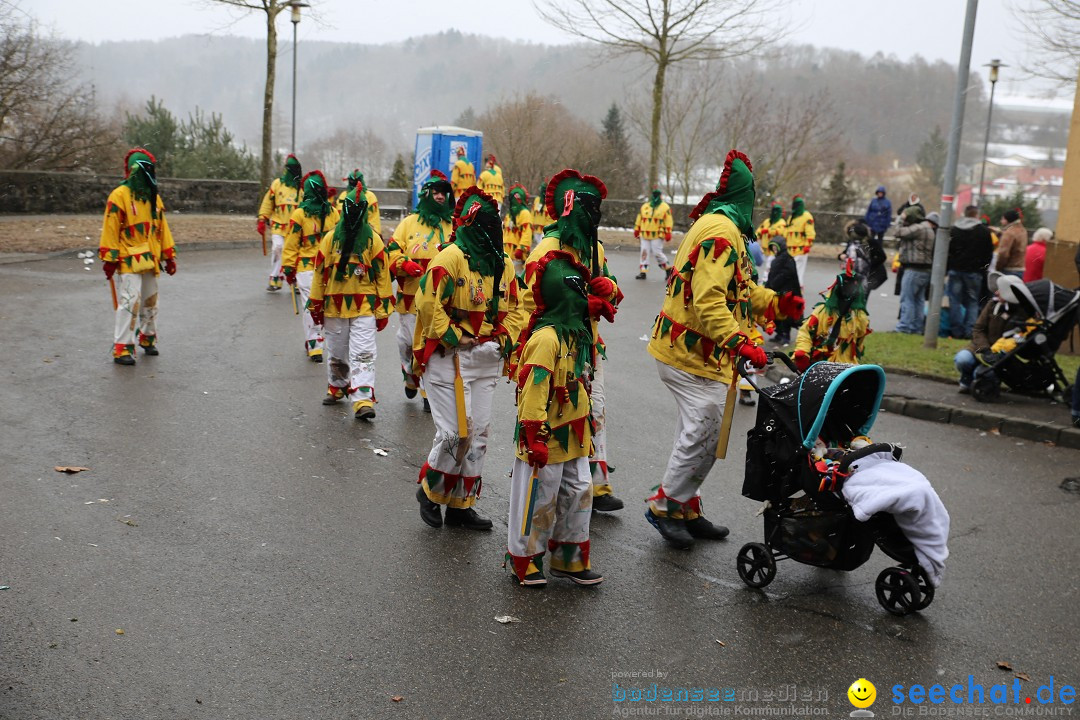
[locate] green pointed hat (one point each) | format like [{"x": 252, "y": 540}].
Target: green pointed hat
[
  {"x": 433, "y": 214},
  {"x": 734, "y": 194},
  {"x": 798, "y": 206},
  {"x": 316, "y": 201},
  {"x": 478, "y": 232},
  {"x": 557, "y": 196},
  {"x": 355, "y": 178},
  {"x": 140, "y": 176},
  {"x": 776, "y": 212}
]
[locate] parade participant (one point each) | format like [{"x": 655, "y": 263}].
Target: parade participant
[
  {"x": 136, "y": 245},
  {"x": 575, "y": 200},
  {"x": 277, "y": 207},
  {"x": 463, "y": 174},
  {"x": 836, "y": 328},
  {"x": 800, "y": 234},
  {"x": 540, "y": 217},
  {"x": 468, "y": 320},
  {"x": 416, "y": 240},
  {"x": 771, "y": 227},
  {"x": 704, "y": 328},
  {"x": 491, "y": 180},
  {"x": 653, "y": 227},
  {"x": 373, "y": 217},
  {"x": 550, "y": 487},
  {"x": 350, "y": 299},
  {"x": 310, "y": 222},
  {"x": 517, "y": 228}
]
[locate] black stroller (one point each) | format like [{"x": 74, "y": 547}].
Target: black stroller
[
  {"x": 1050, "y": 312},
  {"x": 806, "y": 516}
]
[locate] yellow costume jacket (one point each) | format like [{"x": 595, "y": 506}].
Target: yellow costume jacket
[
  {"x": 813, "y": 336},
  {"x": 462, "y": 176},
  {"x": 491, "y": 182},
  {"x": 278, "y": 205},
  {"x": 712, "y": 302},
  {"x": 653, "y": 222},
  {"x": 540, "y": 218},
  {"x": 800, "y": 234},
  {"x": 418, "y": 242},
  {"x": 549, "y": 394},
  {"x": 302, "y": 240},
  {"x": 131, "y": 236},
  {"x": 364, "y": 290},
  {"x": 766, "y": 231},
  {"x": 517, "y": 234}
]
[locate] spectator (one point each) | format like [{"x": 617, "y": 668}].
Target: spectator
[
  {"x": 879, "y": 216},
  {"x": 783, "y": 278},
  {"x": 916, "y": 258},
  {"x": 1009, "y": 257},
  {"x": 1035, "y": 255},
  {"x": 993, "y": 321},
  {"x": 971, "y": 248},
  {"x": 912, "y": 201}
]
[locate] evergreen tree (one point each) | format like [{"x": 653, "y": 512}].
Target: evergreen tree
[
  {"x": 839, "y": 194},
  {"x": 615, "y": 164},
  {"x": 399, "y": 178},
  {"x": 156, "y": 130},
  {"x": 994, "y": 209},
  {"x": 930, "y": 159},
  {"x": 467, "y": 119}
]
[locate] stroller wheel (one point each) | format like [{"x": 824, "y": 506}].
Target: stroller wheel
[
  {"x": 756, "y": 565},
  {"x": 897, "y": 591},
  {"x": 986, "y": 387},
  {"x": 926, "y": 590}
]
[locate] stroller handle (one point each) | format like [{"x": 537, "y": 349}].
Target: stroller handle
[
  {"x": 785, "y": 358},
  {"x": 741, "y": 367}
]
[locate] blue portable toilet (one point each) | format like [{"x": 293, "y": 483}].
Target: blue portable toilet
[{"x": 436, "y": 148}]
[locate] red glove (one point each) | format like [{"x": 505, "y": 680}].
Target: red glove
[
  {"x": 261, "y": 226},
  {"x": 380, "y": 323},
  {"x": 802, "y": 360},
  {"x": 637, "y": 233},
  {"x": 412, "y": 268},
  {"x": 753, "y": 354},
  {"x": 315, "y": 309},
  {"x": 110, "y": 268},
  {"x": 170, "y": 265},
  {"x": 290, "y": 277},
  {"x": 602, "y": 286},
  {"x": 538, "y": 452},
  {"x": 601, "y": 308},
  {"x": 790, "y": 305},
  {"x": 667, "y": 237}
]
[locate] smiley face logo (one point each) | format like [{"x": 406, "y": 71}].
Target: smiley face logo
[{"x": 862, "y": 693}]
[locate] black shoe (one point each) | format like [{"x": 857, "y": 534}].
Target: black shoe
[
  {"x": 150, "y": 349},
  {"x": 746, "y": 398},
  {"x": 315, "y": 358},
  {"x": 329, "y": 400},
  {"x": 674, "y": 531},
  {"x": 410, "y": 392},
  {"x": 607, "y": 503},
  {"x": 701, "y": 528},
  {"x": 427, "y": 406},
  {"x": 640, "y": 276},
  {"x": 430, "y": 512},
  {"x": 124, "y": 360},
  {"x": 581, "y": 577},
  {"x": 466, "y": 518},
  {"x": 271, "y": 288},
  {"x": 366, "y": 412},
  {"x": 1076, "y": 421},
  {"x": 533, "y": 579}
]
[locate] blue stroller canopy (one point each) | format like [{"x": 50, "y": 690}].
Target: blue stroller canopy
[{"x": 835, "y": 401}]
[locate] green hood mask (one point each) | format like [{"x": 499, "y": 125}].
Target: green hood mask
[
  {"x": 574, "y": 201},
  {"x": 519, "y": 200},
  {"x": 775, "y": 214},
  {"x": 433, "y": 214},
  {"x": 352, "y": 234},
  {"x": 564, "y": 305},
  {"x": 141, "y": 177},
  {"x": 355, "y": 178},
  {"x": 846, "y": 294},
  {"x": 315, "y": 202},
  {"x": 656, "y": 199},
  {"x": 734, "y": 195},
  {"x": 291, "y": 176},
  {"x": 798, "y": 206},
  {"x": 478, "y": 232}
]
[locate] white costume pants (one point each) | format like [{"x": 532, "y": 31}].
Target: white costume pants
[
  {"x": 652, "y": 248},
  {"x": 451, "y": 475},
  {"x": 550, "y": 511},
  {"x": 350, "y": 344},
  {"x": 136, "y": 311},
  {"x": 277, "y": 244},
  {"x": 405, "y": 332},
  {"x": 313, "y": 340},
  {"x": 800, "y": 266},
  {"x": 598, "y": 463},
  {"x": 701, "y": 408}
]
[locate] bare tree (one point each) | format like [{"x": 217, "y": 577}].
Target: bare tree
[
  {"x": 344, "y": 150},
  {"x": 271, "y": 8},
  {"x": 668, "y": 33},
  {"x": 1054, "y": 28}
]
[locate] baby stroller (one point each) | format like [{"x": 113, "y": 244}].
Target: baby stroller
[
  {"x": 806, "y": 516},
  {"x": 1028, "y": 365}
]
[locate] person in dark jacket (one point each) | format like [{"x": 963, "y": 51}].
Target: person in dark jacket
[
  {"x": 970, "y": 249},
  {"x": 879, "y": 216},
  {"x": 996, "y": 317},
  {"x": 912, "y": 201},
  {"x": 783, "y": 278}
]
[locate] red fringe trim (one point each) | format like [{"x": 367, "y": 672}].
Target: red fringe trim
[
  {"x": 321, "y": 177},
  {"x": 721, "y": 188},
  {"x": 131, "y": 152},
  {"x": 549, "y": 193}
]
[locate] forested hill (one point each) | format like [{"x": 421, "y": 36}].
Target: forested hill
[{"x": 885, "y": 106}]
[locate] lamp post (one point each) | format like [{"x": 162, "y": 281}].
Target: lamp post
[
  {"x": 994, "y": 65},
  {"x": 295, "y": 18}
]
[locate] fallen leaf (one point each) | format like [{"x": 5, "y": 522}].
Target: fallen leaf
[
  {"x": 1024, "y": 676},
  {"x": 119, "y": 631},
  {"x": 504, "y": 619},
  {"x": 397, "y": 698},
  {"x": 74, "y": 619},
  {"x": 721, "y": 643},
  {"x": 198, "y": 701},
  {"x": 52, "y": 645},
  {"x": 994, "y": 431},
  {"x": 1002, "y": 665},
  {"x": 69, "y": 469},
  {"x": 126, "y": 521}
]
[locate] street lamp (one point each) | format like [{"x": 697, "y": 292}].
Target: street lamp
[
  {"x": 994, "y": 65},
  {"x": 295, "y": 6}
]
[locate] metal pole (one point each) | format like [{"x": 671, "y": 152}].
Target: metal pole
[
  {"x": 986, "y": 142},
  {"x": 948, "y": 192},
  {"x": 294, "y": 26}
]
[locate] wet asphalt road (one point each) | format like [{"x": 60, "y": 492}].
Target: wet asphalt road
[{"x": 264, "y": 562}]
